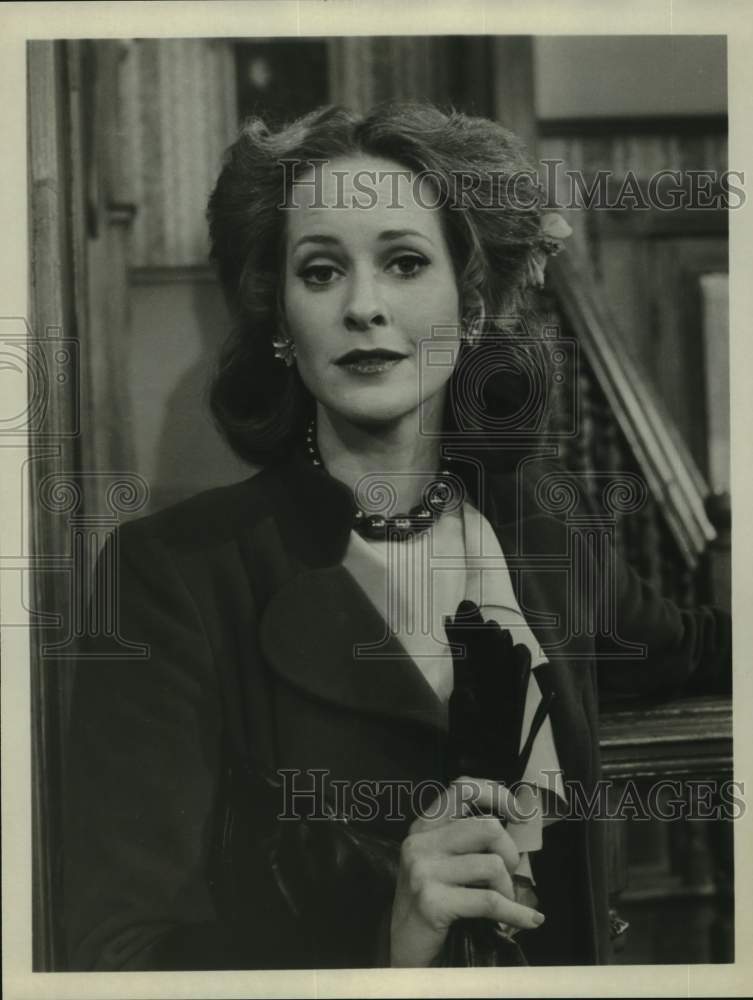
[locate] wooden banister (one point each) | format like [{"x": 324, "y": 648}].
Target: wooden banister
[{"x": 671, "y": 474}]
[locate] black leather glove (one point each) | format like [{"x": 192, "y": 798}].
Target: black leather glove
[
  {"x": 486, "y": 707},
  {"x": 486, "y": 711}
]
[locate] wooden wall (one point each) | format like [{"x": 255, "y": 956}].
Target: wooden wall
[{"x": 649, "y": 265}]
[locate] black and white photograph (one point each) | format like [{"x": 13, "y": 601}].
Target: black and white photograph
[{"x": 368, "y": 472}]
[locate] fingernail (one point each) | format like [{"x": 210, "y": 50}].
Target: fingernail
[{"x": 538, "y": 918}]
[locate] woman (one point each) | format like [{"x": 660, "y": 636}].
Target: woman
[{"x": 272, "y": 782}]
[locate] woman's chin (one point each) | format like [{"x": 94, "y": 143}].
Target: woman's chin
[
  {"x": 375, "y": 411},
  {"x": 374, "y": 418},
  {"x": 386, "y": 406}
]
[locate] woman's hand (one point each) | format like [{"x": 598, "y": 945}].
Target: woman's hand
[{"x": 455, "y": 865}]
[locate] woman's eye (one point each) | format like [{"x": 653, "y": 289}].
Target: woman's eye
[
  {"x": 318, "y": 274},
  {"x": 408, "y": 265}
]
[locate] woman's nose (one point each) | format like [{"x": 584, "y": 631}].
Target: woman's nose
[{"x": 364, "y": 308}]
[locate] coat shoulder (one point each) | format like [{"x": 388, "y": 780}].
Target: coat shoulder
[{"x": 208, "y": 518}]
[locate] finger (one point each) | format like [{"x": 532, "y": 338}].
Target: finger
[
  {"x": 483, "y": 795},
  {"x": 522, "y": 654},
  {"x": 468, "y": 611},
  {"x": 475, "y": 835},
  {"x": 468, "y": 796},
  {"x": 487, "y": 870},
  {"x": 449, "y": 903},
  {"x": 441, "y": 810}
]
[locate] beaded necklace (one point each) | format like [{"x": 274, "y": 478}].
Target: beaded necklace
[{"x": 437, "y": 497}]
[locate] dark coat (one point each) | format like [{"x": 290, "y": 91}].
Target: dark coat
[{"x": 171, "y": 841}]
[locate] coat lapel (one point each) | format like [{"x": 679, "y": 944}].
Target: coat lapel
[{"x": 321, "y": 633}]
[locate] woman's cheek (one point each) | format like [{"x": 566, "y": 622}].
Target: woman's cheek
[{"x": 314, "y": 323}]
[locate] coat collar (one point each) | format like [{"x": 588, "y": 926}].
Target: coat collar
[{"x": 320, "y": 509}]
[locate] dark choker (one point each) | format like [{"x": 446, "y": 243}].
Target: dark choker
[{"x": 437, "y": 497}]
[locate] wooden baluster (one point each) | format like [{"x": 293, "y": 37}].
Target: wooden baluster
[
  {"x": 584, "y": 452},
  {"x": 649, "y": 541},
  {"x": 719, "y": 555}
]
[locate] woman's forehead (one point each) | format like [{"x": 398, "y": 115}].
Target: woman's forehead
[{"x": 363, "y": 194}]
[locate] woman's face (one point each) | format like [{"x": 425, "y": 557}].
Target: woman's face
[{"x": 365, "y": 287}]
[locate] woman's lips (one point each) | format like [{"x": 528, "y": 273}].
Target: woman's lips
[
  {"x": 370, "y": 362},
  {"x": 371, "y": 366}
]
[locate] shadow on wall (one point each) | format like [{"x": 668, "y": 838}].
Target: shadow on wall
[{"x": 178, "y": 328}]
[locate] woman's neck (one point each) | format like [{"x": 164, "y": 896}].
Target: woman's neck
[{"x": 401, "y": 457}]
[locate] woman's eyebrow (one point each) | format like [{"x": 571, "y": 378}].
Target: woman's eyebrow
[
  {"x": 397, "y": 234},
  {"x": 321, "y": 239},
  {"x": 316, "y": 238}
]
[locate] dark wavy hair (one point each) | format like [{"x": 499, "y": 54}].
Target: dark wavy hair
[{"x": 259, "y": 404}]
